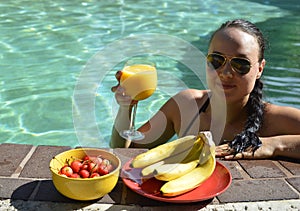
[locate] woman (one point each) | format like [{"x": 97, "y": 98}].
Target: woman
[{"x": 255, "y": 129}]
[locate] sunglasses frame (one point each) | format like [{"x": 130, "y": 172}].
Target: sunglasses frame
[{"x": 229, "y": 60}]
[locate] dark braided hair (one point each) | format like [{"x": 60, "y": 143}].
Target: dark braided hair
[{"x": 248, "y": 138}]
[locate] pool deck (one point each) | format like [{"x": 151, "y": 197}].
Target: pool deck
[{"x": 25, "y": 184}]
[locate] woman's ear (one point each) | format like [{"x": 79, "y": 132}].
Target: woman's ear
[{"x": 261, "y": 68}]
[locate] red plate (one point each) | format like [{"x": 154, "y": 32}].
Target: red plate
[{"x": 216, "y": 184}]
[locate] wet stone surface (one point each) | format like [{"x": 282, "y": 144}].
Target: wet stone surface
[{"x": 27, "y": 177}]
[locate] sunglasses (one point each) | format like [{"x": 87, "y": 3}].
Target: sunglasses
[{"x": 239, "y": 65}]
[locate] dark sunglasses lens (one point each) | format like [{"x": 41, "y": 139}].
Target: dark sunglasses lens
[
  {"x": 215, "y": 61},
  {"x": 240, "y": 65}
]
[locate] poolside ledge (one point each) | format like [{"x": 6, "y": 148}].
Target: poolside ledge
[{"x": 25, "y": 184}]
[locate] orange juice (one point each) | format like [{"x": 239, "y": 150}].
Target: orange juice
[{"x": 139, "y": 81}]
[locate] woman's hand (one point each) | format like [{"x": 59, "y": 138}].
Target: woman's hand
[
  {"x": 120, "y": 94},
  {"x": 263, "y": 152}
]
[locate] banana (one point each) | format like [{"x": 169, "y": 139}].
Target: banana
[
  {"x": 183, "y": 157},
  {"x": 184, "y": 163},
  {"x": 196, "y": 150},
  {"x": 169, "y": 149},
  {"x": 168, "y": 172},
  {"x": 190, "y": 180},
  {"x": 148, "y": 171}
]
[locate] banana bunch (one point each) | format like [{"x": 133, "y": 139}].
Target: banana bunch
[{"x": 183, "y": 163}]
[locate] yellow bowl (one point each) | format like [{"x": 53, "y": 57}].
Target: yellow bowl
[{"x": 88, "y": 188}]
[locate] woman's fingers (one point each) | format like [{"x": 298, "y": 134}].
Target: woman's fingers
[
  {"x": 223, "y": 150},
  {"x": 118, "y": 77},
  {"x": 114, "y": 88},
  {"x": 120, "y": 93},
  {"x": 227, "y": 153},
  {"x": 241, "y": 155}
]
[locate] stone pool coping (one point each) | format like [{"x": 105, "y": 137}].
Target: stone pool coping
[{"x": 25, "y": 183}]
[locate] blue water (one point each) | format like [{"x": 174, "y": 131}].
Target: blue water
[{"x": 46, "y": 47}]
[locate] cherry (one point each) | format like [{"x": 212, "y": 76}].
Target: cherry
[
  {"x": 86, "y": 157},
  {"x": 105, "y": 162},
  {"x": 67, "y": 170},
  {"x": 102, "y": 169},
  {"x": 75, "y": 175},
  {"x": 76, "y": 165},
  {"x": 85, "y": 166},
  {"x": 98, "y": 160},
  {"x": 109, "y": 167},
  {"x": 95, "y": 174},
  {"x": 92, "y": 167},
  {"x": 89, "y": 166},
  {"x": 84, "y": 173}
]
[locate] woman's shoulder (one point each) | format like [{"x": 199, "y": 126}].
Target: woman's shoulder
[
  {"x": 185, "y": 99},
  {"x": 281, "y": 119},
  {"x": 278, "y": 110},
  {"x": 192, "y": 94}
]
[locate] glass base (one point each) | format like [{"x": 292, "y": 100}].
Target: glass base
[{"x": 132, "y": 135}]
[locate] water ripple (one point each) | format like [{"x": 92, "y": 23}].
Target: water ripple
[{"x": 44, "y": 46}]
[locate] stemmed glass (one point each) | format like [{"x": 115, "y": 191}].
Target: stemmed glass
[{"x": 139, "y": 80}]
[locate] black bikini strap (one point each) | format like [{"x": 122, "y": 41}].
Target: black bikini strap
[
  {"x": 204, "y": 107},
  {"x": 201, "y": 109}
]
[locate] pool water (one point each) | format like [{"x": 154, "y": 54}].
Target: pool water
[{"x": 46, "y": 46}]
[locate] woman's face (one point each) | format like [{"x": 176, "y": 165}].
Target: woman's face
[{"x": 233, "y": 42}]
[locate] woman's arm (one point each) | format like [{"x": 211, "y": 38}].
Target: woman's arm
[
  {"x": 157, "y": 130},
  {"x": 121, "y": 123},
  {"x": 272, "y": 147},
  {"x": 286, "y": 146},
  {"x": 280, "y": 136},
  {"x": 172, "y": 117}
]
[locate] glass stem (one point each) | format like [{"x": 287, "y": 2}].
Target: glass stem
[{"x": 132, "y": 118}]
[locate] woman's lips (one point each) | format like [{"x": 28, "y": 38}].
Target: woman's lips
[{"x": 226, "y": 86}]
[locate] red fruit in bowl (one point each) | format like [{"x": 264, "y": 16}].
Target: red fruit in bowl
[
  {"x": 76, "y": 166},
  {"x": 85, "y": 167},
  {"x": 86, "y": 158},
  {"x": 95, "y": 174},
  {"x": 66, "y": 170},
  {"x": 102, "y": 169},
  {"x": 109, "y": 167},
  {"x": 63, "y": 175},
  {"x": 92, "y": 167},
  {"x": 84, "y": 173},
  {"x": 98, "y": 160},
  {"x": 105, "y": 162},
  {"x": 94, "y": 160},
  {"x": 75, "y": 175}
]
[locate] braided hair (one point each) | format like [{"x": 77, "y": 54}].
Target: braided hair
[{"x": 248, "y": 138}]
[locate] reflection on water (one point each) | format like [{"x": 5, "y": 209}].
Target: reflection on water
[
  {"x": 45, "y": 45},
  {"x": 287, "y": 87}
]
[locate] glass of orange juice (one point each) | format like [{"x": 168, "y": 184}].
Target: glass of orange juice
[{"x": 139, "y": 80}]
